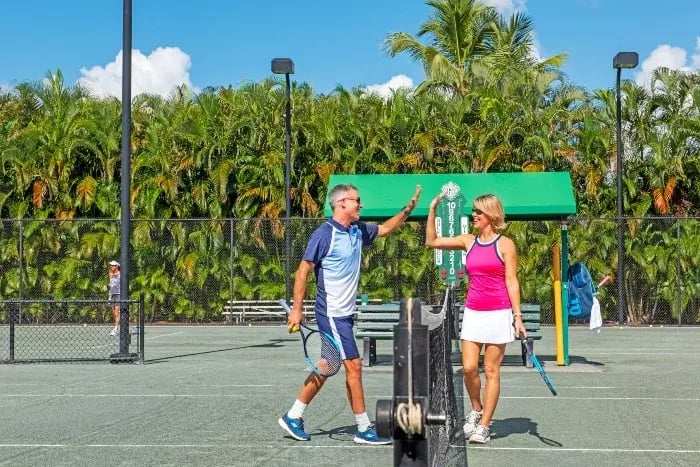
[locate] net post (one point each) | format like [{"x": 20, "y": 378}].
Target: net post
[
  {"x": 123, "y": 327},
  {"x": 142, "y": 322},
  {"x": 13, "y": 309},
  {"x": 410, "y": 449},
  {"x": 411, "y": 390},
  {"x": 123, "y": 356}
]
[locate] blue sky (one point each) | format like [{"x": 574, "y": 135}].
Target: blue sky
[{"x": 228, "y": 42}]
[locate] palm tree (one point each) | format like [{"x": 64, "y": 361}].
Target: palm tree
[
  {"x": 51, "y": 144},
  {"x": 458, "y": 34}
]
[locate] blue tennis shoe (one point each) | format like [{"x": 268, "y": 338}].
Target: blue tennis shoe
[
  {"x": 295, "y": 427},
  {"x": 369, "y": 436}
]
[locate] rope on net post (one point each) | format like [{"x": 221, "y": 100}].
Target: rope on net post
[{"x": 408, "y": 414}]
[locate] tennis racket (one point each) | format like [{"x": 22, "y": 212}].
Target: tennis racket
[
  {"x": 322, "y": 351},
  {"x": 538, "y": 366}
]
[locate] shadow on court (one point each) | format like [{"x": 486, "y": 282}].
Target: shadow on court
[
  {"x": 274, "y": 343},
  {"x": 341, "y": 433},
  {"x": 549, "y": 361},
  {"x": 510, "y": 426}
]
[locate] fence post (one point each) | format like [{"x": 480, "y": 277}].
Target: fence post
[
  {"x": 12, "y": 310},
  {"x": 142, "y": 322},
  {"x": 231, "y": 275},
  {"x": 21, "y": 267},
  {"x": 679, "y": 279}
]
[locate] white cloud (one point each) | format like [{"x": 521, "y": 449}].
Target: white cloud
[
  {"x": 507, "y": 7},
  {"x": 157, "y": 73},
  {"x": 536, "y": 50},
  {"x": 386, "y": 90},
  {"x": 675, "y": 58},
  {"x": 696, "y": 56}
]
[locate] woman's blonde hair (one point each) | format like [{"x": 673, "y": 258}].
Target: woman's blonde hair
[{"x": 491, "y": 206}]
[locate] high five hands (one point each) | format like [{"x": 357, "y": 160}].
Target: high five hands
[
  {"x": 412, "y": 204},
  {"x": 436, "y": 200}
]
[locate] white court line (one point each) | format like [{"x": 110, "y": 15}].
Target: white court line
[
  {"x": 196, "y": 446},
  {"x": 232, "y": 385},
  {"x": 149, "y": 338},
  {"x": 573, "y": 398},
  {"x": 338, "y": 446},
  {"x": 165, "y": 335},
  {"x": 670, "y": 399},
  {"x": 612, "y": 353},
  {"x": 19, "y": 396},
  {"x": 630, "y": 349},
  {"x": 667, "y": 451},
  {"x": 559, "y": 387}
]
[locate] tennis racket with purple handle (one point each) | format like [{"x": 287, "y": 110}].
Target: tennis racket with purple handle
[{"x": 538, "y": 366}]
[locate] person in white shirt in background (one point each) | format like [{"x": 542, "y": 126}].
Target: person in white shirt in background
[{"x": 114, "y": 292}]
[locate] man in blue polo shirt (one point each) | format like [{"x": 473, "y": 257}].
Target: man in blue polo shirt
[{"x": 333, "y": 253}]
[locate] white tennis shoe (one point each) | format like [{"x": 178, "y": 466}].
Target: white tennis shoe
[
  {"x": 471, "y": 423},
  {"x": 481, "y": 435}
]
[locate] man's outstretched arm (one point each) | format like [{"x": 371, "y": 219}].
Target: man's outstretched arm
[{"x": 388, "y": 226}]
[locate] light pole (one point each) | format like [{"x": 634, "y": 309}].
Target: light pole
[
  {"x": 620, "y": 61},
  {"x": 125, "y": 226},
  {"x": 285, "y": 66}
]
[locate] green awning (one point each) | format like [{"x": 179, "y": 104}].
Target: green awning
[{"x": 525, "y": 195}]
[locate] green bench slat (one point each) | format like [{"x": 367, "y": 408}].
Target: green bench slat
[
  {"x": 377, "y": 321},
  {"x": 376, "y": 334},
  {"x": 369, "y": 317},
  {"x": 377, "y": 327},
  {"x": 381, "y": 308}
]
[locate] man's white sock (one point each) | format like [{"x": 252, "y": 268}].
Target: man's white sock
[
  {"x": 362, "y": 421},
  {"x": 297, "y": 410}
]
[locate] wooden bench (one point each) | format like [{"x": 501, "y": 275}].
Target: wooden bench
[
  {"x": 239, "y": 310},
  {"x": 531, "y": 321}
]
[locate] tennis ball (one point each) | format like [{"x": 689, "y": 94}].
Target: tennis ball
[
  {"x": 84, "y": 325},
  {"x": 293, "y": 328}
]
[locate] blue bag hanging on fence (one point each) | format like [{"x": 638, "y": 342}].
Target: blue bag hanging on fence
[{"x": 580, "y": 291}]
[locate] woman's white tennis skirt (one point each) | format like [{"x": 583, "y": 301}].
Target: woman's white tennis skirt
[{"x": 488, "y": 327}]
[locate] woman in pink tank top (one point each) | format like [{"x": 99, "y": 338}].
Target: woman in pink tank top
[{"x": 492, "y": 315}]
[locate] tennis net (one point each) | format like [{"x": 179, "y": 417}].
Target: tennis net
[
  {"x": 68, "y": 330},
  {"x": 447, "y": 444}
]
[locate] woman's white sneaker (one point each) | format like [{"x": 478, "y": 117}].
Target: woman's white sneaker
[
  {"x": 471, "y": 423},
  {"x": 481, "y": 435}
]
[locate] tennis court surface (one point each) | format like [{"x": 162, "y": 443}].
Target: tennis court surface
[{"x": 211, "y": 395}]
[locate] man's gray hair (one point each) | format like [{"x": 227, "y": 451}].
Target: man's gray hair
[{"x": 338, "y": 192}]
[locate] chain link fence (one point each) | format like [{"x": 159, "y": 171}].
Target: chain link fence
[
  {"x": 44, "y": 330},
  {"x": 188, "y": 270}
]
